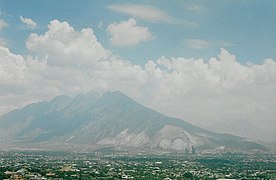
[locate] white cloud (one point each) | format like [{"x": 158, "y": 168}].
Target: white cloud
[
  {"x": 128, "y": 32},
  {"x": 64, "y": 46},
  {"x": 149, "y": 13},
  {"x": 12, "y": 66},
  {"x": 3, "y": 24},
  {"x": 219, "y": 89},
  {"x": 14, "y": 81},
  {"x": 197, "y": 43},
  {"x": 203, "y": 44},
  {"x": 196, "y": 90},
  {"x": 28, "y": 21}
]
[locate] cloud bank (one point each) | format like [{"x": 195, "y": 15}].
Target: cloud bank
[{"x": 66, "y": 61}]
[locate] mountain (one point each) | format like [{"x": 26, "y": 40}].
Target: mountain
[
  {"x": 111, "y": 119},
  {"x": 242, "y": 128}
]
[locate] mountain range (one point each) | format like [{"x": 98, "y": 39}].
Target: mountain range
[
  {"x": 242, "y": 128},
  {"x": 111, "y": 119}
]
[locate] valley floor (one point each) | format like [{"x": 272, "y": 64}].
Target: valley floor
[{"x": 35, "y": 165}]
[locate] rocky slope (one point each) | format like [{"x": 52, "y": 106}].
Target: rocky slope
[{"x": 111, "y": 119}]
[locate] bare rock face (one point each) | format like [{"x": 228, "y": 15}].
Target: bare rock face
[
  {"x": 126, "y": 139},
  {"x": 173, "y": 137},
  {"x": 168, "y": 138}
]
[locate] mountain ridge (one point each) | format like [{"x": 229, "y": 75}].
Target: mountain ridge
[{"x": 108, "y": 119}]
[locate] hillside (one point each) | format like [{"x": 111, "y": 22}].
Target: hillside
[{"x": 111, "y": 119}]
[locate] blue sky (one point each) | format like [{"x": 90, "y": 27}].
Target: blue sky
[{"x": 245, "y": 28}]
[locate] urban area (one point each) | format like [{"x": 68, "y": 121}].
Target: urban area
[{"x": 42, "y": 165}]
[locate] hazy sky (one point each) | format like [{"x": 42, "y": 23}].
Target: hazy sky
[{"x": 202, "y": 61}]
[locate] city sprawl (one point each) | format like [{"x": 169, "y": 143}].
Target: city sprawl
[{"x": 35, "y": 165}]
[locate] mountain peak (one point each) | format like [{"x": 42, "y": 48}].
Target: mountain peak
[
  {"x": 111, "y": 119},
  {"x": 117, "y": 97},
  {"x": 115, "y": 94},
  {"x": 61, "y": 98}
]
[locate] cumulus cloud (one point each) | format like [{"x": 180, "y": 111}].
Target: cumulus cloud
[
  {"x": 63, "y": 46},
  {"x": 12, "y": 76},
  {"x": 11, "y": 68},
  {"x": 220, "y": 89},
  {"x": 3, "y": 24},
  {"x": 28, "y": 22},
  {"x": 127, "y": 33},
  {"x": 196, "y": 90}
]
